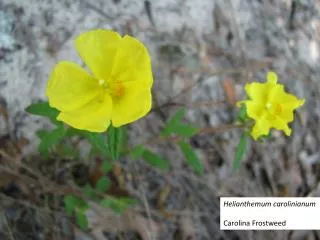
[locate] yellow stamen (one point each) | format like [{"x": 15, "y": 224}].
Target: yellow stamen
[
  {"x": 117, "y": 89},
  {"x": 269, "y": 105},
  {"x": 101, "y": 82}
]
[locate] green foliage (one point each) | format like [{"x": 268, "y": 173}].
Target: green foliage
[
  {"x": 174, "y": 121},
  {"x": 98, "y": 143},
  {"x": 106, "y": 166},
  {"x": 240, "y": 151},
  {"x": 242, "y": 115},
  {"x": 264, "y": 138},
  {"x": 70, "y": 132},
  {"x": 49, "y": 139},
  {"x": 89, "y": 191},
  {"x": 118, "y": 205},
  {"x": 175, "y": 126},
  {"x": 191, "y": 157},
  {"x": 103, "y": 184},
  {"x": 78, "y": 206},
  {"x": 137, "y": 151},
  {"x": 66, "y": 151},
  {"x": 109, "y": 146},
  {"x": 70, "y": 203},
  {"x": 155, "y": 160},
  {"x": 184, "y": 130},
  {"x": 81, "y": 220},
  {"x": 44, "y": 109},
  {"x": 116, "y": 141},
  {"x": 150, "y": 157}
]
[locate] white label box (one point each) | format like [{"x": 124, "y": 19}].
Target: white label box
[{"x": 269, "y": 213}]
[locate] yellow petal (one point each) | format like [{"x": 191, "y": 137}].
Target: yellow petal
[
  {"x": 259, "y": 91},
  {"x": 254, "y": 109},
  {"x": 278, "y": 95},
  {"x": 272, "y": 77},
  {"x": 70, "y": 87},
  {"x": 94, "y": 116},
  {"x": 132, "y": 62},
  {"x": 288, "y": 108},
  {"x": 135, "y": 103},
  {"x": 294, "y": 104},
  {"x": 287, "y": 102},
  {"x": 280, "y": 124},
  {"x": 286, "y": 114},
  {"x": 261, "y": 127},
  {"x": 98, "y": 49}
]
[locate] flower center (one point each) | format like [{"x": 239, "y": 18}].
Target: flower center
[
  {"x": 273, "y": 110},
  {"x": 117, "y": 89},
  {"x": 268, "y": 105},
  {"x": 101, "y": 82},
  {"x": 114, "y": 88}
]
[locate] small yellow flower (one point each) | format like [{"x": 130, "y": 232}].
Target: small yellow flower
[
  {"x": 270, "y": 106},
  {"x": 118, "y": 91}
]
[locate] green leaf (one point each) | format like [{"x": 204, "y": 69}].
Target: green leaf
[
  {"x": 174, "y": 126},
  {"x": 106, "y": 166},
  {"x": 50, "y": 139},
  {"x": 67, "y": 151},
  {"x": 137, "y": 152},
  {"x": 103, "y": 184},
  {"x": 81, "y": 220},
  {"x": 150, "y": 157},
  {"x": 77, "y": 205},
  {"x": 70, "y": 203},
  {"x": 44, "y": 109},
  {"x": 41, "y": 133},
  {"x": 116, "y": 139},
  {"x": 184, "y": 130},
  {"x": 242, "y": 115},
  {"x": 155, "y": 160},
  {"x": 264, "y": 138},
  {"x": 89, "y": 191},
  {"x": 82, "y": 206},
  {"x": 70, "y": 132},
  {"x": 191, "y": 157},
  {"x": 175, "y": 120},
  {"x": 240, "y": 151},
  {"x": 98, "y": 143},
  {"x": 118, "y": 205}
]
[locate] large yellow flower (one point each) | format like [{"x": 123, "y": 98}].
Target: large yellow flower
[
  {"x": 118, "y": 91},
  {"x": 270, "y": 106}
]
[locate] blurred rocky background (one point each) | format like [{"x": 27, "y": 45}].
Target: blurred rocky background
[{"x": 203, "y": 53}]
